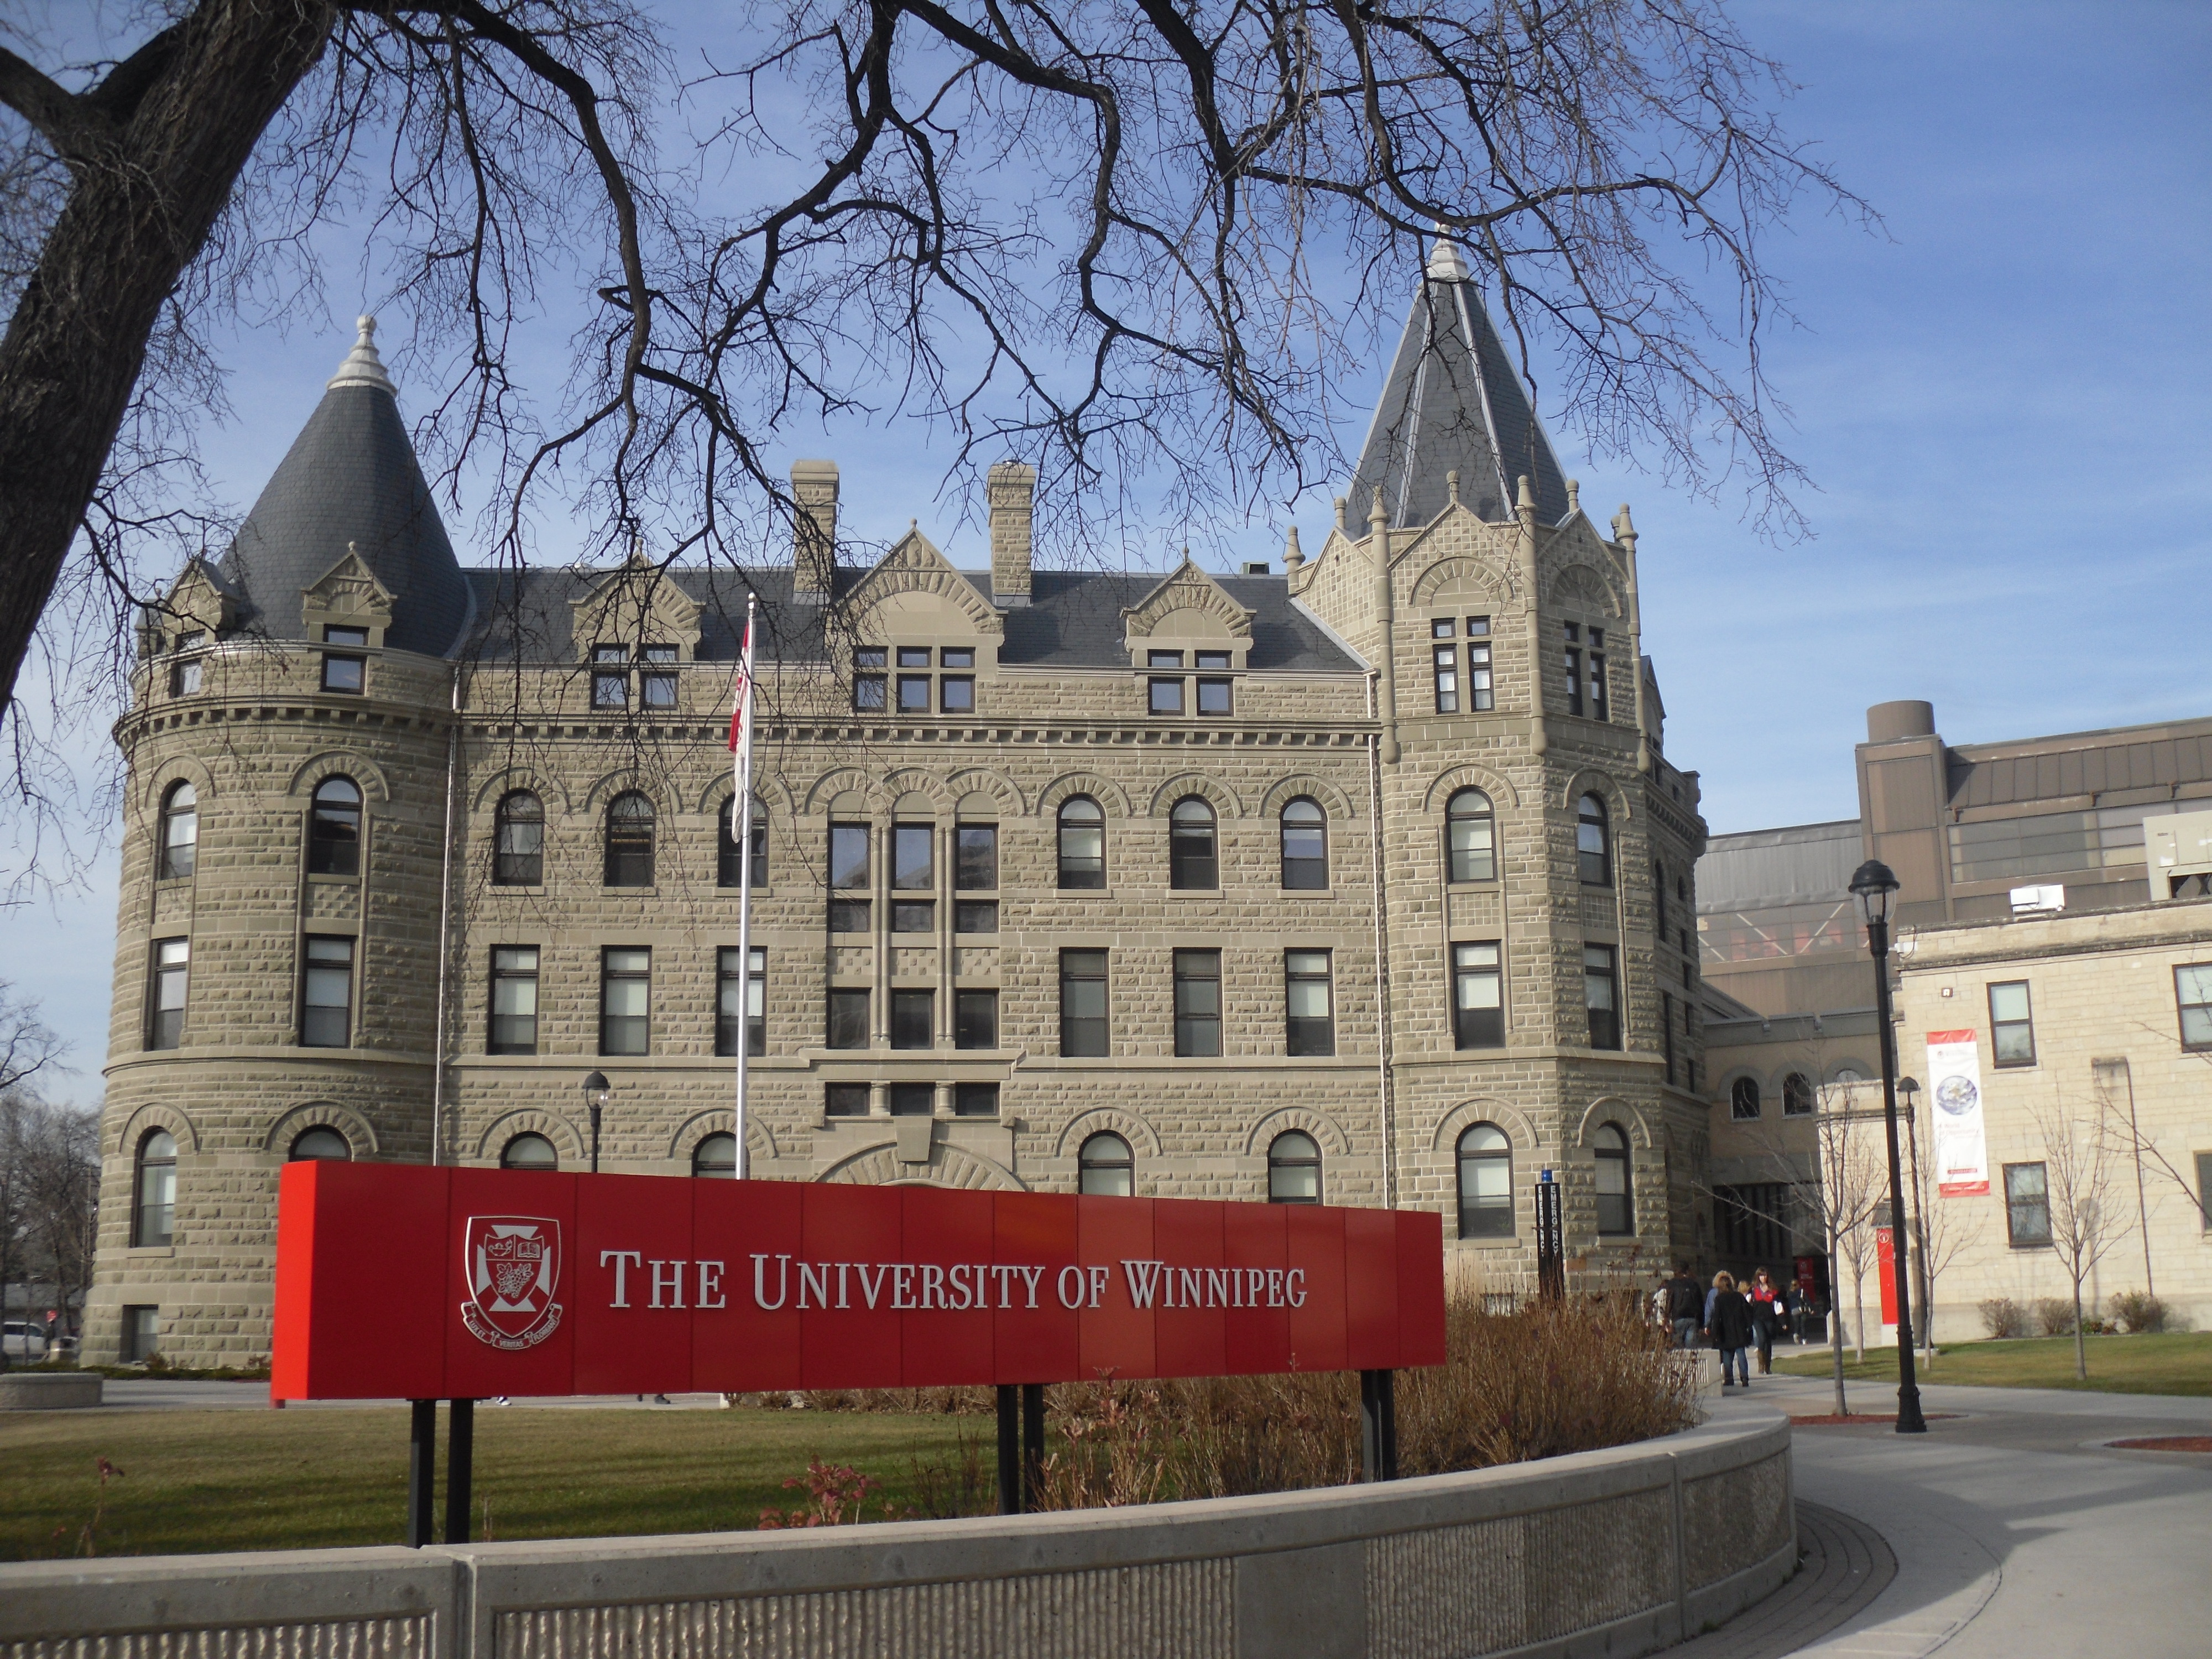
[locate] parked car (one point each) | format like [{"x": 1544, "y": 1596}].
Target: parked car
[{"x": 22, "y": 1339}]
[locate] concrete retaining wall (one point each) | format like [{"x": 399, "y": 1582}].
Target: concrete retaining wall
[
  {"x": 48, "y": 1391},
  {"x": 1616, "y": 1552}
]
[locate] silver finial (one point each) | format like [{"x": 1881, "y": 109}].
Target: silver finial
[{"x": 363, "y": 366}]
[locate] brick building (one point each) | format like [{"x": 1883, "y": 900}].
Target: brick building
[{"x": 1369, "y": 881}]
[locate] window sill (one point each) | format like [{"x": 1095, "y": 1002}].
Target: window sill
[
  {"x": 2012, "y": 1065},
  {"x": 630, "y": 892},
  {"x": 325, "y": 878},
  {"x": 2044, "y": 1245},
  {"x": 1512, "y": 1243},
  {"x": 1306, "y": 892},
  {"x": 520, "y": 890},
  {"x": 149, "y": 1252}
]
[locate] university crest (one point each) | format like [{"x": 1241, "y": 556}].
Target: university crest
[{"x": 514, "y": 1267}]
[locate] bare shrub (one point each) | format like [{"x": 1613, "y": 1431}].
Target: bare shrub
[
  {"x": 2054, "y": 1316},
  {"x": 2001, "y": 1317},
  {"x": 2135, "y": 1311}
]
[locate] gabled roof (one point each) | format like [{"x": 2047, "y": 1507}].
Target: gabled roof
[
  {"x": 1452, "y": 402},
  {"x": 351, "y": 477}
]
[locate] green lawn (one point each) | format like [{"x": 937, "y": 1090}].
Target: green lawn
[
  {"x": 2173, "y": 1363},
  {"x": 200, "y": 1481}
]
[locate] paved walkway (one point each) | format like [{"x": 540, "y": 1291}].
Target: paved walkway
[{"x": 2016, "y": 1531}]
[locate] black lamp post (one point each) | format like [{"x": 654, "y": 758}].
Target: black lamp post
[
  {"x": 1874, "y": 886},
  {"x": 598, "y": 1092},
  {"x": 1910, "y": 1088}
]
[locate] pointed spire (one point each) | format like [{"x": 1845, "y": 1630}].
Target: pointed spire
[
  {"x": 1446, "y": 263},
  {"x": 363, "y": 366}
]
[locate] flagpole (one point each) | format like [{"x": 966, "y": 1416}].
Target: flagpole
[{"x": 741, "y": 826}]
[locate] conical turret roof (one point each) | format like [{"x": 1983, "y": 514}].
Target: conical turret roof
[
  {"x": 1452, "y": 402},
  {"x": 351, "y": 477}
]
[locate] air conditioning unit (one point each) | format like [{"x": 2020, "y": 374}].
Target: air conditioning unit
[
  {"x": 2178, "y": 849},
  {"x": 2038, "y": 901}
]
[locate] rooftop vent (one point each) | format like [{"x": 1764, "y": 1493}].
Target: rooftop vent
[
  {"x": 1255, "y": 567},
  {"x": 2038, "y": 900}
]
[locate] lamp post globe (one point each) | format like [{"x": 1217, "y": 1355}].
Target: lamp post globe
[
  {"x": 1874, "y": 886},
  {"x": 597, "y": 1092}
]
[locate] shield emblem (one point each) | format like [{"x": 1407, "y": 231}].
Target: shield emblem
[{"x": 513, "y": 1263}]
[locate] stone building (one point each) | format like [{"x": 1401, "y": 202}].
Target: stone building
[{"x": 1367, "y": 882}]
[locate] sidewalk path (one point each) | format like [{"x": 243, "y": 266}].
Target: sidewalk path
[{"x": 2016, "y": 1531}]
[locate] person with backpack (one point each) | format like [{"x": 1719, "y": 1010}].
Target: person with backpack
[{"x": 1682, "y": 1306}]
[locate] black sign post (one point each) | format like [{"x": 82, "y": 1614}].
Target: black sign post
[{"x": 1551, "y": 1240}]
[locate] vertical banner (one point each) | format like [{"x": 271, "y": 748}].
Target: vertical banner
[
  {"x": 1885, "y": 1252},
  {"x": 1954, "y": 1084}
]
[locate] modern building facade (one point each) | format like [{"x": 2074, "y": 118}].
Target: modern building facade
[{"x": 1369, "y": 882}]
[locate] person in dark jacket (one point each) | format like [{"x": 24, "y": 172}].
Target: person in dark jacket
[
  {"x": 1727, "y": 1327},
  {"x": 1683, "y": 1300}
]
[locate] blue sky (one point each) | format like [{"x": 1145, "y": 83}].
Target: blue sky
[{"x": 2002, "y": 401}]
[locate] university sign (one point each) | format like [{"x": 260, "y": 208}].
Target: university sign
[{"x": 424, "y": 1284}]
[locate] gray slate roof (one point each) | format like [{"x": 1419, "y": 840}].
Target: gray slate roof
[
  {"x": 351, "y": 476},
  {"x": 1452, "y": 400}
]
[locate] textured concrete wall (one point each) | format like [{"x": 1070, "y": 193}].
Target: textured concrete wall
[{"x": 1622, "y": 1552}]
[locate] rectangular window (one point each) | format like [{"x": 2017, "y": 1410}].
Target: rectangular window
[
  {"x": 1441, "y": 628},
  {"x": 185, "y": 676},
  {"x": 974, "y": 1100},
  {"x": 913, "y": 916},
  {"x": 868, "y": 690},
  {"x": 1447, "y": 678},
  {"x": 1166, "y": 696},
  {"x": 1197, "y": 1003},
  {"x": 914, "y": 656},
  {"x": 1214, "y": 697},
  {"x": 848, "y": 856},
  {"x": 2205, "y": 1190},
  {"x": 1478, "y": 997},
  {"x": 975, "y": 1020},
  {"x": 2028, "y": 1206},
  {"x": 913, "y": 1099},
  {"x": 1163, "y": 658},
  {"x": 845, "y": 1100},
  {"x": 914, "y": 694},
  {"x": 142, "y": 1332},
  {"x": 1082, "y": 1031},
  {"x": 353, "y": 636},
  {"x": 976, "y": 858},
  {"x": 848, "y": 916},
  {"x": 625, "y": 999},
  {"x": 728, "y": 990},
  {"x": 1213, "y": 660},
  {"x": 341, "y": 673},
  {"x": 610, "y": 677},
  {"x": 1598, "y": 704},
  {"x": 658, "y": 690},
  {"x": 326, "y": 994},
  {"x": 975, "y": 916},
  {"x": 955, "y": 694},
  {"x": 1574, "y": 679},
  {"x": 2012, "y": 1026},
  {"x": 1480, "y": 696},
  {"x": 513, "y": 1000},
  {"x": 1602, "y": 995},
  {"x": 1309, "y": 1016},
  {"x": 912, "y": 1016},
  {"x": 848, "y": 1016},
  {"x": 957, "y": 656},
  {"x": 2192, "y": 998},
  {"x": 165, "y": 1024},
  {"x": 914, "y": 865}
]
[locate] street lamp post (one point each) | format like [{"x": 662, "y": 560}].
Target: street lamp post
[
  {"x": 1910, "y": 1088},
  {"x": 597, "y": 1092},
  {"x": 1874, "y": 886}
]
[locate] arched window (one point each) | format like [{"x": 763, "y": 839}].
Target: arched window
[
  {"x": 1082, "y": 842},
  {"x": 1616, "y": 1213},
  {"x": 1192, "y": 862},
  {"x": 1797, "y": 1095},
  {"x": 1593, "y": 843},
  {"x": 334, "y": 829},
  {"x": 518, "y": 841},
  {"x": 1743, "y": 1099},
  {"x": 1485, "y": 1183},
  {"x": 1106, "y": 1168},
  {"x": 630, "y": 841},
  {"x": 1470, "y": 842},
  {"x": 1293, "y": 1169},
  {"x": 180, "y": 832},
  {"x": 728, "y": 865},
  {"x": 529, "y": 1151},
  {"x": 1305, "y": 845},
  {"x": 716, "y": 1156},
  {"x": 318, "y": 1144},
  {"x": 153, "y": 1221}
]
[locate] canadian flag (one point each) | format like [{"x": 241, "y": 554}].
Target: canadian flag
[{"x": 741, "y": 702}]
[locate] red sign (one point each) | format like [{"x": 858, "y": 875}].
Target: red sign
[
  {"x": 1884, "y": 1255},
  {"x": 403, "y": 1280}
]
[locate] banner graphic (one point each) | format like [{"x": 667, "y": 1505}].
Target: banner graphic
[{"x": 1954, "y": 1085}]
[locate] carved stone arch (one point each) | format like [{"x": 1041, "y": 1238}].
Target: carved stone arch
[
  {"x": 1187, "y": 588},
  {"x": 334, "y": 763},
  {"x": 1465, "y": 570},
  {"x": 1320, "y": 1125},
  {"x": 760, "y": 1145},
  {"x": 539, "y": 782},
  {"x": 948, "y": 1166},
  {"x": 768, "y": 790},
  {"x": 174, "y": 769},
  {"x": 360, "y": 1133},
  {"x": 603, "y": 789},
  {"x": 1590, "y": 781},
  {"x": 1726, "y": 1080},
  {"x": 1496, "y": 785},
  {"x": 977, "y": 780},
  {"x": 915, "y": 564},
  {"x": 1581, "y": 585},
  {"x": 1464, "y": 1116},
  {"x": 1847, "y": 1063},
  {"x": 1108, "y": 793},
  {"x": 157, "y": 1114},
  {"x": 1143, "y": 1139},
  {"x": 1184, "y": 784},
  {"x": 832, "y": 784},
  {"x": 908, "y": 780},
  {"x": 1334, "y": 801},
  {"x": 1611, "y": 1108},
  {"x": 568, "y": 1141}
]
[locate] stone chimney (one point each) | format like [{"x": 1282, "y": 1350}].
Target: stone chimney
[
  {"x": 814, "y": 551},
  {"x": 1013, "y": 487}
]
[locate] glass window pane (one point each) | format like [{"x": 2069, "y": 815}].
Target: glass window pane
[
  {"x": 914, "y": 694},
  {"x": 845, "y": 1100},
  {"x": 1214, "y": 697},
  {"x": 848, "y": 855},
  {"x": 975, "y": 1020},
  {"x": 976, "y": 869},
  {"x": 848, "y": 1018},
  {"x": 2009, "y": 1001},
  {"x": 913, "y": 860},
  {"x": 913, "y": 916},
  {"x": 955, "y": 694},
  {"x": 1166, "y": 696},
  {"x": 912, "y": 1019},
  {"x": 975, "y": 916}
]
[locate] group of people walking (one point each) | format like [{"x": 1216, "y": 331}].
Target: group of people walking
[{"x": 1737, "y": 1320}]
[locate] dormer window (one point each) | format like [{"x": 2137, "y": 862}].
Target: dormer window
[
  {"x": 185, "y": 676},
  {"x": 919, "y": 691},
  {"x": 869, "y": 684},
  {"x": 341, "y": 671},
  {"x": 1166, "y": 696},
  {"x": 610, "y": 677},
  {"x": 657, "y": 683}
]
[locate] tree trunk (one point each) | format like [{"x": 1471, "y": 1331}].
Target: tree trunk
[
  {"x": 1858, "y": 1315},
  {"x": 139, "y": 212},
  {"x": 2080, "y": 1346},
  {"x": 1836, "y": 1327}
]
